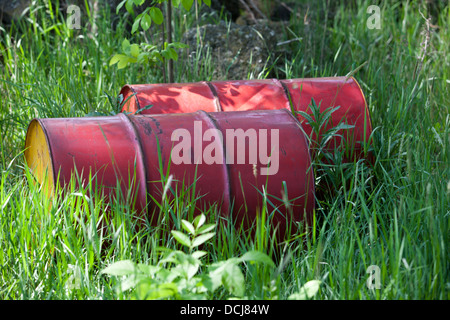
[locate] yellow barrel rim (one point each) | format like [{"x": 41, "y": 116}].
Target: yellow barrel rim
[{"x": 38, "y": 157}]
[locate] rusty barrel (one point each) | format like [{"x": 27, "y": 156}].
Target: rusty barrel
[
  {"x": 268, "y": 94},
  {"x": 232, "y": 159}
]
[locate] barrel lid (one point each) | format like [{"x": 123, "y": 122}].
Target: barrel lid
[{"x": 37, "y": 155}]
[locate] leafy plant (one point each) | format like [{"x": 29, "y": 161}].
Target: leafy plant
[
  {"x": 145, "y": 53},
  {"x": 322, "y": 133},
  {"x": 150, "y": 53},
  {"x": 307, "y": 291},
  {"x": 181, "y": 275},
  {"x": 331, "y": 171}
]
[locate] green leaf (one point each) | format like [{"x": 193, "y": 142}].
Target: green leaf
[
  {"x": 187, "y": 4},
  {"x": 116, "y": 58},
  {"x": 257, "y": 256},
  {"x": 173, "y": 257},
  {"x": 173, "y": 54},
  {"x": 134, "y": 50},
  {"x": 207, "y": 2},
  {"x": 119, "y": 99},
  {"x": 176, "y": 3},
  {"x": 122, "y": 59},
  {"x": 210, "y": 281},
  {"x": 165, "y": 275},
  {"x": 146, "y": 22},
  {"x": 129, "y": 6},
  {"x": 202, "y": 239},
  {"x": 165, "y": 54},
  {"x": 135, "y": 26},
  {"x": 120, "y": 5},
  {"x": 188, "y": 226},
  {"x": 121, "y": 268},
  {"x": 233, "y": 280},
  {"x": 219, "y": 266},
  {"x": 199, "y": 220},
  {"x": 111, "y": 100},
  {"x": 188, "y": 269},
  {"x": 156, "y": 15},
  {"x": 307, "y": 291},
  {"x": 206, "y": 228},
  {"x": 147, "y": 107},
  {"x": 305, "y": 115},
  {"x": 123, "y": 62},
  {"x": 149, "y": 270},
  {"x": 125, "y": 45},
  {"x": 131, "y": 282},
  {"x": 181, "y": 238},
  {"x": 143, "y": 56},
  {"x": 156, "y": 55},
  {"x": 138, "y": 2},
  {"x": 147, "y": 290},
  {"x": 198, "y": 254}
]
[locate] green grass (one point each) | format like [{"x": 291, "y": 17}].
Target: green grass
[{"x": 393, "y": 214}]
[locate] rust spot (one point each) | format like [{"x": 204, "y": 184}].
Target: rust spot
[{"x": 157, "y": 124}]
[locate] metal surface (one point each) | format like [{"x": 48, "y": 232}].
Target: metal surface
[
  {"x": 103, "y": 148},
  {"x": 140, "y": 148},
  {"x": 263, "y": 95}
]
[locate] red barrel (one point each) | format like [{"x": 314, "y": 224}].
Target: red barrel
[
  {"x": 269, "y": 94},
  {"x": 234, "y": 158}
]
